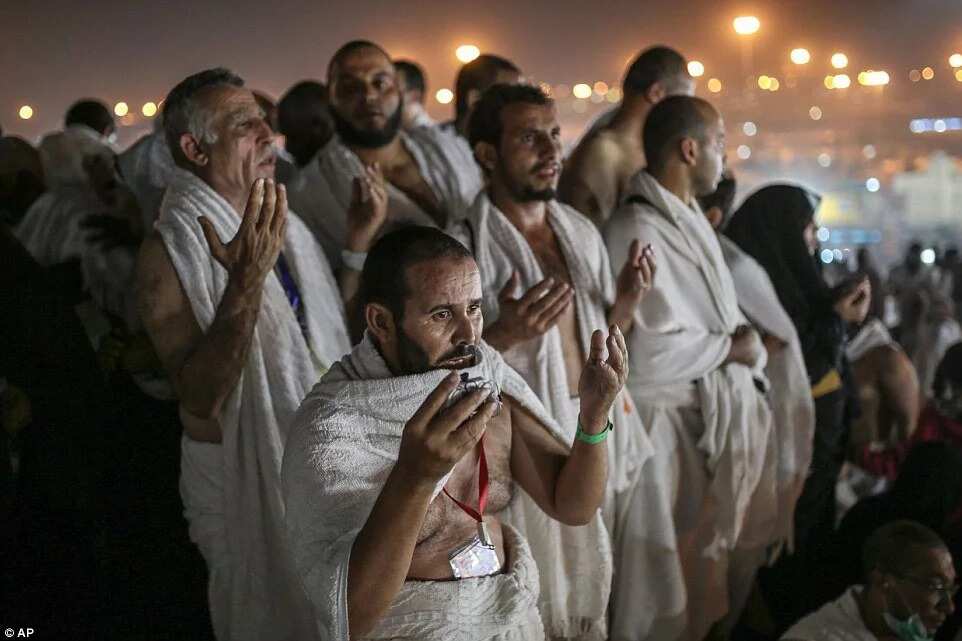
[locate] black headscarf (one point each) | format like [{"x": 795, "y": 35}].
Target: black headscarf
[{"x": 769, "y": 227}]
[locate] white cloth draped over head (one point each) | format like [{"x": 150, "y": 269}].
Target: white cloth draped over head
[
  {"x": 344, "y": 442},
  {"x": 232, "y": 491},
  {"x": 500, "y": 249},
  {"x": 709, "y": 414},
  {"x": 322, "y": 193},
  {"x": 147, "y": 167},
  {"x": 64, "y": 153},
  {"x": 793, "y": 409},
  {"x": 839, "y": 620},
  {"x": 51, "y": 229}
]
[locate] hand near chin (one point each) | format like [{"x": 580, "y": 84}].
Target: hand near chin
[{"x": 602, "y": 378}]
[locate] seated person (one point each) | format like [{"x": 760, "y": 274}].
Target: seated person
[
  {"x": 908, "y": 594},
  {"x": 380, "y": 551}
]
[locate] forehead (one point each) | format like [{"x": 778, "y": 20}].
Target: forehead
[
  {"x": 445, "y": 281},
  {"x": 525, "y": 115},
  {"x": 228, "y": 99},
  {"x": 932, "y": 562},
  {"x": 362, "y": 62}
]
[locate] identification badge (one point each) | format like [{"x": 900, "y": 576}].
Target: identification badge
[{"x": 475, "y": 558}]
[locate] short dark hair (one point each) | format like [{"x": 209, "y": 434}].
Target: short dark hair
[
  {"x": 887, "y": 549},
  {"x": 349, "y": 48},
  {"x": 384, "y": 277},
  {"x": 485, "y": 123},
  {"x": 181, "y": 111},
  {"x": 669, "y": 121},
  {"x": 479, "y": 74},
  {"x": 656, "y": 64},
  {"x": 723, "y": 197},
  {"x": 413, "y": 75},
  {"x": 92, "y": 113},
  {"x": 304, "y": 92}
]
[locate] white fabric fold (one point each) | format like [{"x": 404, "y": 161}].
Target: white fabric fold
[
  {"x": 147, "y": 167},
  {"x": 793, "y": 409},
  {"x": 345, "y": 441},
  {"x": 322, "y": 193},
  {"x": 232, "y": 491},
  {"x": 839, "y": 620},
  {"x": 679, "y": 383}
]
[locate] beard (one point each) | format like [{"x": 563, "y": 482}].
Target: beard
[
  {"x": 414, "y": 360},
  {"x": 528, "y": 194},
  {"x": 367, "y": 139}
]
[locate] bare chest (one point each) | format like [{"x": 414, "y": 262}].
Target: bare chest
[{"x": 407, "y": 178}]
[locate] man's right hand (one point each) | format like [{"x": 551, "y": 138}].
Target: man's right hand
[
  {"x": 853, "y": 306},
  {"x": 253, "y": 251},
  {"x": 530, "y": 316},
  {"x": 367, "y": 212},
  {"x": 435, "y": 438},
  {"x": 746, "y": 346}
]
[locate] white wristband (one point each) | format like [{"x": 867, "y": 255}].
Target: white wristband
[{"x": 353, "y": 260}]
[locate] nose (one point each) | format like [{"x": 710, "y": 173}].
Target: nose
[
  {"x": 465, "y": 333},
  {"x": 264, "y": 131}
]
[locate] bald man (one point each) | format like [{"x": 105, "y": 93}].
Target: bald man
[
  {"x": 427, "y": 178},
  {"x": 708, "y": 492},
  {"x": 597, "y": 172}
]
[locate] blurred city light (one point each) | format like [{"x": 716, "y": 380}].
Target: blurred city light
[
  {"x": 581, "y": 90},
  {"x": 764, "y": 82},
  {"x": 714, "y": 85},
  {"x": 839, "y": 60},
  {"x": 869, "y": 151},
  {"x": 26, "y": 112},
  {"x": 872, "y": 184},
  {"x": 746, "y": 25},
  {"x": 744, "y": 152},
  {"x": 121, "y": 109},
  {"x": 149, "y": 109},
  {"x": 815, "y": 113},
  {"x": 955, "y": 60},
  {"x": 800, "y": 56},
  {"x": 749, "y": 128},
  {"x": 928, "y": 256},
  {"x": 601, "y": 88},
  {"x": 444, "y": 96},
  {"x": 824, "y": 160},
  {"x": 827, "y": 256},
  {"x": 937, "y": 125},
  {"x": 467, "y": 53},
  {"x": 873, "y": 78},
  {"x": 841, "y": 81},
  {"x": 915, "y": 75},
  {"x": 928, "y": 73},
  {"x": 823, "y": 234},
  {"x": 696, "y": 69}
]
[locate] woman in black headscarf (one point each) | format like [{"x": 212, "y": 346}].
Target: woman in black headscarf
[{"x": 776, "y": 226}]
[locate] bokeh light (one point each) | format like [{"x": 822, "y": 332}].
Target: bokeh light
[
  {"x": 839, "y": 60},
  {"x": 696, "y": 69},
  {"x": 714, "y": 85},
  {"x": 26, "y": 112},
  {"x": 955, "y": 60},
  {"x": 815, "y": 113},
  {"x": 746, "y": 25},
  {"x": 467, "y": 53},
  {"x": 800, "y": 56},
  {"x": 872, "y": 184},
  {"x": 928, "y": 73},
  {"x": 149, "y": 109},
  {"x": 750, "y": 128},
  {"x": 444, "y": 96},
  {"x": 581, "y": 90},
  {"x": 121, "y": 109},
  {"x": 744, "y": 152}
]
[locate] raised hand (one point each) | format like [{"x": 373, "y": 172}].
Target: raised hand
[
  {"x": 367, "y": 212},
  {"x": 601, "y": 378},
  {"x": 435, "y": 439},
  {"x": 529, "y": 316},
  {"x": 853, "y": 306},
  {"x": 637, "y": 274},
  {"x": 253, "y": 251}
]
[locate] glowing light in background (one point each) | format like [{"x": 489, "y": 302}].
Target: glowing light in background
[
  {"x": 873, "y": 78},
  {"x": 121, "y": 109},
  {"x": 26, "y": 112},
  {"x": 938, "y": 125},
  {"x": 872, "y": 184},
  {"x": 614, "y": 95},
  {"x": 746, "y": 25},
  {"x": 827, "y": 256},
  {"x": 444, "y": 96},
  {"x": 927, "y": 256},
  {"x": 744, "y": 152},
  {"x": 839, "y": 60},
  {"x": 829, "y": 82},
  {"x": 149, "y": 109},
  {"x": 696, "y": 69},
  {"x": 581, "y": 90},
  {"x": 467, "y": 53},
  {"x": 815, "y": 113},
  {"x": 800, "y": 56},
  {"x": 928, "y": 73},
  {"x": 869, "y": 151},
  {"x": 764, "y": 82},
  {"x": 749, "y": 128},
  {"x": 841, "y": 81},
  {"x": 823, "y": 234},
  {"x": 601, "y": 87},
  {"x": 958, "y": 75},
  {"x": 825, "y": 160},
  {"x": 955, "y": 60},
  {"x": 714, "y": 85},
  {"x": 915, "y": 75},
  {"x": 774, "y": 85}
]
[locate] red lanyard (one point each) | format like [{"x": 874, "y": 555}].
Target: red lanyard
[{"x": 477, "y": 515}]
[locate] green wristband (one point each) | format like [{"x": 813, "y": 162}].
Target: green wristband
[{"x": 593, "y": 439}]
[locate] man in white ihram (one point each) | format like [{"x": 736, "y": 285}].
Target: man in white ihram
[{"x": 243, "y": 311}]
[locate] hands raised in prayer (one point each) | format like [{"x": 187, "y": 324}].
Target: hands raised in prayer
[
  {"x": 635, "y": 280},
  {"x": 367, "y": 212},
  {"x": 853, "y": 305},
  {"x": 436, "y": 438},
  {"x": 601, "y": 378},
  {"x": 529, "y": 316},
  {"x": 253, "y": 251}
]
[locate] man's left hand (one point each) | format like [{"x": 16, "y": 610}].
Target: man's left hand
[
  {"x": 637, "y": 275},
  {"x": 602, "y": 379}
]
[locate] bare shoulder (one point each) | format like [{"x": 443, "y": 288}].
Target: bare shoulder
[
  {"x": 163, "y": 304},
  {"x": 528, "y": 431}
]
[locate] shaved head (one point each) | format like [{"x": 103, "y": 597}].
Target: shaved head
[{"x": 349, "y": 48}]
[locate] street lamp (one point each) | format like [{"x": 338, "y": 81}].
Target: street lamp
[
  {"x": 746, "y": 25},
  {"x": 467, "y": 53},
  {"x": 800, "y": 56}
]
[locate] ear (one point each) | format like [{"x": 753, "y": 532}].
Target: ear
[
  {"x": 487, "y": 155},
  {"x": 715, "y": 217},
  {"x": 380, "y": 322},
  {"x": 656, "y": 93},
  {"x": 689, "y": 151},
  {"x": 192, "y": 150},
  {"x": 473, "y": 96}
]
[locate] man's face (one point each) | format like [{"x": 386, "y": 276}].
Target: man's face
[
  {"x": 242, "y": 152},
  {"x": 442, "y": 322},
  {"x": 365, "y": 100},
  {"x": 922, "y": 590},
  {"x": 710, "y": 161},
  {"x": 810, "y": 234},
  {"x": 529, "y": 154}
]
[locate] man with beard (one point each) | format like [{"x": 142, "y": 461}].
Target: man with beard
[
  {"x": 598, "y": 170},
  {"x": 382, "y": 554},
  {"x": 242, "y": 309},
  {"x": 473, "y": 80},
  {"x": 547, "y": 282},
  {"x": 428, "y": 178},
  {"x": 708, "y": 491}
]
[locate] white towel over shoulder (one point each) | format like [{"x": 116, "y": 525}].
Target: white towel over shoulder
[{"x": 232, "y": 491}]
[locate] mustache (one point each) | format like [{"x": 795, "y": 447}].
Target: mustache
[
  {"x": 550, "y": 164},
  {"x": 461, "y": 351}
]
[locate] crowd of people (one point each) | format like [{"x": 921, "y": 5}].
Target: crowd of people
[{"x": 420, "y": 380}]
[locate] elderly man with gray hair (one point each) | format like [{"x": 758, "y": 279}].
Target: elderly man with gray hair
[{"x": 243, "y": 310}]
